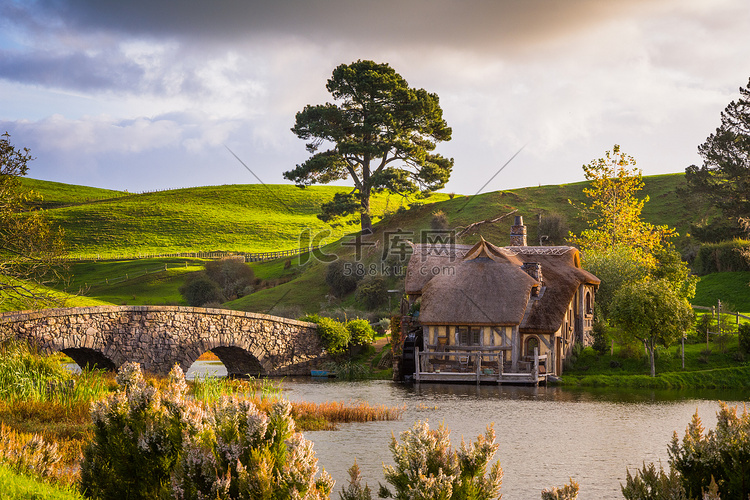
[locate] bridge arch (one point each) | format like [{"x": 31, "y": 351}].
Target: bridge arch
[
  {"x": 160, "y": 336},
  {"x": 85, "y": 357}
]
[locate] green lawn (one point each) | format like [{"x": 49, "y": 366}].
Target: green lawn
[
  {"x": 733, "y": 289},
  {"x": 15, "y": 486},
  {"x": 716, "y": 368}
]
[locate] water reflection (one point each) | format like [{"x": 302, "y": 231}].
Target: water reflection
[{"x": 546, "y": 435}]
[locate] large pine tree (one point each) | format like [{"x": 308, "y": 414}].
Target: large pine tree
[
  {"x": 724, "y": 177},
  {"x": 381, "y": 134}
]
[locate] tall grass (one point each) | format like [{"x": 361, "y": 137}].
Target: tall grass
[
  {"x": 27, "y": 376},
  {"x": 211, "y": 388}
]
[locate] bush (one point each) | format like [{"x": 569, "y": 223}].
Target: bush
[
  {"x": 720, "y": 257},
  {"x": 427, "y": 466},
  {"x": 372, "y": 292},
  {"x": 553, "y": 229},
  {"x": 199, "y": 289},
  {"x": 601, "y": 339},
  {"x": 160, "y": 444},
  {"x": 342, "y": 276},
  {"x": 333, "y": 335},
  {"x": 360, "y": 332},
  {"x": 232, "y": 276},
  {"x": 744, "y": 337},
  {"x": 716, "y": 462},
  {"x": 439, "y": 221},
  {"x": 567, "y": 492}
]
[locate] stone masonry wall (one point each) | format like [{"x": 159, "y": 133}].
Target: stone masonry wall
[{"x": 160, "y": 336}]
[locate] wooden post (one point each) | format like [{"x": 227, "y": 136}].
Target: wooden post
[
  {"x": 535, "y": 373},
  {"x": 500, "y": 360},
  {"x": 478, "y": 362},
  {"x": 417, "y": 362}
]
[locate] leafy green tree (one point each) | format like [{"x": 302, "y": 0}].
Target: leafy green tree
[
  {"x": 199, "y": 289},
  {"x": 724, "y": 177},
  {"x": 30, "y": 247},
  {"x": 381, "y": 134},
  {"x": 615, "y": 266},
  {"x": 232, "y": 276},
  {"x": 614, "y": 215},
  {"x": 372, "y": 292},
  {"x": 651, "y": 312}
]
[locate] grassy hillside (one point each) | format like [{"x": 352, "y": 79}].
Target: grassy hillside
[
  {"x": 56, "y": 194},
  {"x": 249, "y": 218},
  {"x": 733, "y": 289},
  {"x": 259, "y": 218}
]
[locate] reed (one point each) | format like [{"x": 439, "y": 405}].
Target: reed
[
  {"x": 210, "y": 388},
  {"x": 27, "y": 376},
  {"x": 336, "y": 412}
]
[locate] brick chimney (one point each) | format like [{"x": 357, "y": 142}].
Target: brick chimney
[{"x": 518, "y": 233}]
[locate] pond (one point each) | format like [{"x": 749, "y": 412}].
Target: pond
[{"x": 546, "y": 434}]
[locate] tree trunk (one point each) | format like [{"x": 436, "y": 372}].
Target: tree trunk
[
  {"x": 651, "y": 357},
  {"x": 365, "y": 219}
]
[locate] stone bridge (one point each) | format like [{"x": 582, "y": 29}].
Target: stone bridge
[{"x": 157, "y": 337}]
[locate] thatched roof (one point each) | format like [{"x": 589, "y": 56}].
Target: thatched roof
[{"x": 484, "y": 284}]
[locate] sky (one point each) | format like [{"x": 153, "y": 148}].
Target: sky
[{"x": 153, "y": 94}]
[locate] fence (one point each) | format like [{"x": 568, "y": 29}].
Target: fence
[
  {"x": 249, "y": 256},
  {"x": 717, "y": 309}
]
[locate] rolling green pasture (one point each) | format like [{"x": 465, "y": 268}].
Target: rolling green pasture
[
  {"x": 246, "y": 218},
  {"x": 258, "y": 218},
  {"x": 56, "y": 194},
  {"x": 733, "y": 289},
  {"x": 133, "y": 282}
]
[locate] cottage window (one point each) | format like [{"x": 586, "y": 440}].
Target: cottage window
[
  {"x": 469, "y": 335},
  {"x": 589, "y": 309}
]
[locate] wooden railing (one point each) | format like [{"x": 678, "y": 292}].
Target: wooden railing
[{"x": 476, "y": 364}]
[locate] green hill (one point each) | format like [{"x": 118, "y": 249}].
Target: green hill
[
  {"x": 246, "y": 218},
  {"x": 259, "y": 218}
]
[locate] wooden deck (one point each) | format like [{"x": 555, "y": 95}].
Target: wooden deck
[{"x": 480, "y": 366}]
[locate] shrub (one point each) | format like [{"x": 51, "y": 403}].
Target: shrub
[
  {"x": 372, "y": 292},
  {"x": 360, "y": 332},
  {"x": 567, "y": 492},
  {"x": 439, "y": 221},
  {"x": 199, "y": 289},
  {"x": 160, "y": 444},
  {"x": 601, "y": 339},
  {"x": 723, "y": 256},
  {"x": 137, "y": 438},
  {"x": 427, "y": 466},
  {"x": 744, "y": 337},
  {"x": 241, "y": 452},
  {"x": 716, "y": 462},
  {"x": 552, "y": 229},
  {"x": 342, "y": 276},
  {"x": 27, "y": 453},
  {"x": 232, "y": 276},
  {"x": 333, "y": 335}
]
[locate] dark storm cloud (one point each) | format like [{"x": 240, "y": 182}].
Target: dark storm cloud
[{"x": 471, "y": 24}]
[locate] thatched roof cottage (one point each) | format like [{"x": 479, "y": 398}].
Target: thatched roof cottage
[{"x": 499, "y": 312}]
